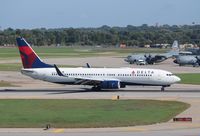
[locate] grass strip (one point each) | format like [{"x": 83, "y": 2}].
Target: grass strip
[
  {"x": 6, "y": 84},
  {"x": 78, "y": 113},
  {"x": 189, "y": 78}
]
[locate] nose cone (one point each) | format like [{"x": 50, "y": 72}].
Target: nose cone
[
  {"x": 126, "y": 59},
  {"x": 175, "y": 61},
  {"x": 177, "y": 79}
]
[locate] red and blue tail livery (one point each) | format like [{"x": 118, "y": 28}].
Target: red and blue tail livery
[{"x": 29, "y": 58}]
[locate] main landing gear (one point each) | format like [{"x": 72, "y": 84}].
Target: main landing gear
[
  {"x": 163, "y": 88},
  {"x": 96, "y": 88}
]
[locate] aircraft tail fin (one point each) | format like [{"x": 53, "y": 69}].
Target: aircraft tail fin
[
  {"x": 174, "y": 51},
  {"x": 29, "y": 58},
  {"x": 175, "y": 45}
]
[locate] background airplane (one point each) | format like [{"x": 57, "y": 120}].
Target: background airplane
[
  {"x": 153, "y": 57},
  {"x": 99, "y": 78},
  {"x": 187, "y": 60}
]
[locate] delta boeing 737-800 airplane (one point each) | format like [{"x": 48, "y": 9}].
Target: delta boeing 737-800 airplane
[{"x": 98, "y": 78}]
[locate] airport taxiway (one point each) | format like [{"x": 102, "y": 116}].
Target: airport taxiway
[{"x": 99, "y": 132}]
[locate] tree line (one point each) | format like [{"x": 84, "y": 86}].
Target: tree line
[{"x": 105, "y": 35}]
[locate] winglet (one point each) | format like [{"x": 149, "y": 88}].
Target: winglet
[
  {"x": 58, "y": 71},
  {"x": 88, "y": 65}
]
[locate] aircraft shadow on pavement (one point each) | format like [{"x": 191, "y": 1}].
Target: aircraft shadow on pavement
[{"x": 83, "y": 90}]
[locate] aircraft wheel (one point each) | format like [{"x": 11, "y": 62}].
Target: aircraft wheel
[
  {"x": 96, "y": 88},
  {"x": 162, "y": 88},
  {"x": 196, "y": 65}
]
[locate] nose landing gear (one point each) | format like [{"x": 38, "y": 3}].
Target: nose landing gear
[{"x": 163, "y": 87}]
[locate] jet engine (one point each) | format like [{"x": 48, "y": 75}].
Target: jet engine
[
  {"x": 149, "y": 59},
  {"x": 111, "y": 84}
]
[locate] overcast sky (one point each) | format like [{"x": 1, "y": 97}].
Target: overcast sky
[{"x": 95, "y": 13}]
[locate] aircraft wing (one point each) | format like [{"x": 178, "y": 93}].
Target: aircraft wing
[
  {"x": 91, "y": 80},
  {"x": 185, "y": 53},
  {"x": 160, "y": 56},
  {"x": 87, "y": 80}
]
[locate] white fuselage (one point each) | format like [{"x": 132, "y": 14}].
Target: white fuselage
[{"x": 128, "y": 76}]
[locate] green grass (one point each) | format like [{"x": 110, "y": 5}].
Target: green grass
[
  {"x": 10, "y": 66},
  {"x": 86, "y": 113},
  {"x": 190, "y": 78},
  {"x": 6, "y": 84},
  {"x": 49, "y": 52}
]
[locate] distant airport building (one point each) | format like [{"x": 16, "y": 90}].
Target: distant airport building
[
  {"x": 162, "y": 45},
  {"x": 185, "y": 46},
  {"x": 147, "y": 46},
  {"x": 122, "y": 45}
]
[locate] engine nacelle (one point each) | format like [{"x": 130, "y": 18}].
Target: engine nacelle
[{"x": 111, "y": 84}]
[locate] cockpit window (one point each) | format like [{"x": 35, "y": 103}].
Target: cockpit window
[{"x": 170, "y": 74}]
